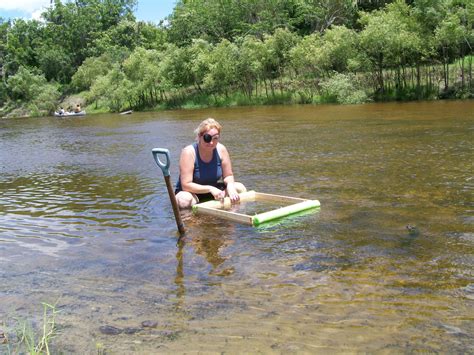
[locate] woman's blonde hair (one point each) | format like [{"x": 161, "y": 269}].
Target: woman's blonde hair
[{"x": 206, "y": 125}]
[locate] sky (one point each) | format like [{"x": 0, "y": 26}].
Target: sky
[{"x": 148, "y": 10}]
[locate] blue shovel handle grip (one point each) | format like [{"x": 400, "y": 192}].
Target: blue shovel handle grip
[{"x": 163, "y": 165}]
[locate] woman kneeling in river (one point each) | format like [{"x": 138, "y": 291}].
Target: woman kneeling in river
[{"x": 205, "y": 169}]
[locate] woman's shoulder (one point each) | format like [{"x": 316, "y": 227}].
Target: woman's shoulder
[
  {"x": 222, "y": 150},
  {"x": 189, "y": 150}
]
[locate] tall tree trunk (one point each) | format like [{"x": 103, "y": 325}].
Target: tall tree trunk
[
  {"x": 445, "y": 69},
  {"x": 447, "y": 74},
  {"x": 398, "y": 79},
  {"x": 380, "y": 76},
  {"x": 404, "y": 77},
  {"x": 470, "y": 72},
  {"x": 418, "y": 79}
]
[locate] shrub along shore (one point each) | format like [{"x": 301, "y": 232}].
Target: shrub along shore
[{"x": 235, "y": 53}]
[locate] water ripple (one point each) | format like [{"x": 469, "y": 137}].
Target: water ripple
[{"x": 73, "y": 206}]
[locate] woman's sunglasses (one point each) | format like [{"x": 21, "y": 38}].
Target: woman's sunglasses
[{"x": 208, "y": 138}]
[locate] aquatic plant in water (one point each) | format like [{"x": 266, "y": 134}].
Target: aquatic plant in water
[{"x": 35, "y": 341}]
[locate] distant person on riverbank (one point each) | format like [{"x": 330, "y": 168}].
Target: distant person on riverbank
[
  {"x": 77, "y": 109},
  {"x": 205, "y": 169}
]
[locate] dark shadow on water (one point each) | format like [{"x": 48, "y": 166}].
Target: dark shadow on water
[{"x": 322, "y": 262}]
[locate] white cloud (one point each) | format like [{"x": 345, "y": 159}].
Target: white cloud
[
  {"x": 36, "y": 15},
  {"x": 29, "y": 6}
]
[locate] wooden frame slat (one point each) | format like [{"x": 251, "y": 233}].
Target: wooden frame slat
[
  {"x": 260, "y": 196},
  {"x": 232, "y": 216}
]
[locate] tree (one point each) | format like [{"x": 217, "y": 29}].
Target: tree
[
  {"x": 344, "y": 89},
  {"x": 319, "y": 55},
  {"x": 4, "y": 27},
  {"x": 123, "y": 35},
  {"x": 371, "y": 5},
  {"x": 143, "y": 70},
  {"x": 90, "y": 70},
  {"x": 339, "y": 49},
  {"x": 387, "y": 40},
  {"x": 55, "y": 63},
  {"x": 76, "y": 27},
  {"x": 25, "y": 84},
  {"x": 201, "y": 19},
  {"x": 249, "y": 64},
  {"x": 216, "y": 20},
  {"x": 198, "y": 61},
  {"x": 277, "y": 56},
  {"x": 151, "y": 36},
  {"x": 175, "y": 67},
  {"x": 319, "y": 15},
  {"x": 22, "y": 42},
  {"x": 114, "y": 88},
  {"x": 222, "y": 75},
  {"x": 130, "y": 35},
  {"x": 303, "y": 56},
  {"x": 262, "y": 17},
  {"x": 32, "y": 90},
  {"x": 449, "y": 36}
]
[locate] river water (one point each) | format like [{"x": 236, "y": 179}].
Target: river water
[{"x": 386, "y": 264}]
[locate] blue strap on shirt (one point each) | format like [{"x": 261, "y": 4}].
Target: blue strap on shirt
[{"x": 205, "y": 173}]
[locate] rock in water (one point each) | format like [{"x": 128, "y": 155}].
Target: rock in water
[
  {"x": 3, "y": 337},
  {"x": 110, "y": 330},
  {"x": 149, "y": 324},
  {"x": 412, "y": 230}
]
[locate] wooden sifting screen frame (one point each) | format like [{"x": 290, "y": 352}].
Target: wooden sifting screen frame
[{"x": 214, "y": 207}]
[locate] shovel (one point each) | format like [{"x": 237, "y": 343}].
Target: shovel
[{"x": 165, "y": 169}]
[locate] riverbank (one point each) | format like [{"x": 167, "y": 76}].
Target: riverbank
[{"x": 344, "y": 95}]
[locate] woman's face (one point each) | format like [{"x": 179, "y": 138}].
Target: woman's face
[{"x": 210, "y": 138}]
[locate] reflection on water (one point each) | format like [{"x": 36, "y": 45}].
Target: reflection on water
[
  {"x": 72, "y": 205},
  {"x": 251, "y": 208},
  {"x": 384, "y": 266}
]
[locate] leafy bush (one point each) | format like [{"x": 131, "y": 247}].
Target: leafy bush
[
  {"x": 90, "y": 69},
  {"x": 344, "y": 89},
  {"x": 32, "y": 91}
]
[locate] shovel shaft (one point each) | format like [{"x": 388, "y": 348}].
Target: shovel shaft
[{"x": 174, "y": 204}]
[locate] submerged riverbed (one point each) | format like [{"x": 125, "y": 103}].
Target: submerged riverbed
[{"x": 386, "y": 264}]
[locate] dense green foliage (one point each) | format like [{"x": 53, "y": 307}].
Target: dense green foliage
[{"x": 237, "y": 52}]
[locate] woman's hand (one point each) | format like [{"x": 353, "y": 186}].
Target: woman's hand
[
  {"x": 218, "y": 194},
  {"x": 232, "y": 192}
]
